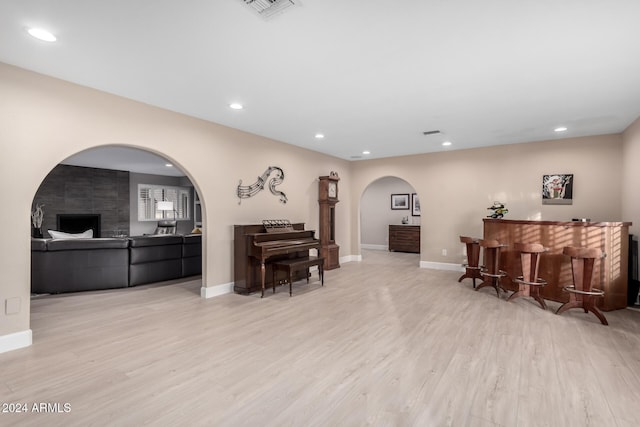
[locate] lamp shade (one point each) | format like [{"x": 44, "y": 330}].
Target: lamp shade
[{"x": 165, "y": 206}]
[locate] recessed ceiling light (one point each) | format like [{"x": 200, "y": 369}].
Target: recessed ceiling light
[
  {"x": 446, "y": 143},
  {"x": 169, "y": 165},
  {"x": 236, "y": 106},
  {"x": 366, "y": 152},
  {"x": 319, "y": 135},
  {"x": 560, "y": 129},
  {"x": 42, "y": 34}
]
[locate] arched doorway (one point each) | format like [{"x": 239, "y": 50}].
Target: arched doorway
[
  {"x": 386, "y": 205},
  {"x": 107, "y": 184}
]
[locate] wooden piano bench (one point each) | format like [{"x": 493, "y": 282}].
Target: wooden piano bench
[{"x": 290, "y": 266}]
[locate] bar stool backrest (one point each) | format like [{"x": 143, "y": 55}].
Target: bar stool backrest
[
  {"x": 473, "y": 250},
  {"x": 491, "y": 255},
  {"x": 529, "y": 259},
  {"x": 582, "y": 261}
]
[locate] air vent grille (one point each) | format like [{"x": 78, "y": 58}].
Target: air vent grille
[
  {"x": 431, "y": 132},
  {"x": 268, "y": 8}
]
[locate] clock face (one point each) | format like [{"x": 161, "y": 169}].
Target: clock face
[{"x": 333, "y": 189}]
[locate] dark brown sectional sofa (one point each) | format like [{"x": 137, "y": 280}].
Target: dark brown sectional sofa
[{"x": 72, "y": 265}]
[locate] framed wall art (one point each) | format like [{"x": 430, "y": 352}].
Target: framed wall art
[
  {"x": 557, "y": 189},
  {"x": 400, "y": 202},
  {"x": 415, "y": 205}
]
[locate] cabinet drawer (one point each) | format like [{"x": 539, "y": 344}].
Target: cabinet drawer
[{"x": 404, "y": 238}]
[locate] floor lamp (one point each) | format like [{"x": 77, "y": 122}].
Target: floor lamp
[{"x": 167, "y": 206}]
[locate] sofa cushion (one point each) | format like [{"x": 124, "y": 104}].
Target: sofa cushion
[
  {"x": 191, "y": 266},
  {"x": 140, "y": 255},
  {"x": 77, "y": 265},
  {"x": 192, "y": 255},
  {"x": 84, "y": 244},
  {"x": 154, "y": 259},
  {"x": 39, "y": 245},
  {"x": 156, "y": 271},
  {"x": 155, "y": 240},
  {"x": 192, "y": 245}
]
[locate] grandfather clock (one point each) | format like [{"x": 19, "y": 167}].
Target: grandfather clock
[{"x": 327, "y": 198}]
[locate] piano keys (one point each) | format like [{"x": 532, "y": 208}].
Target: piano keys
[{"x": 255, "y": 249}]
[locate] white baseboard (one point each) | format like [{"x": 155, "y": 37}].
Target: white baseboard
[
  {"x": 215, "y": 291},
  {"x": 350, "y": 258},
  {"x": 15, "y": 341},
  {"x": 441, "y": 266},
  {"x": 375, "y": 247}
]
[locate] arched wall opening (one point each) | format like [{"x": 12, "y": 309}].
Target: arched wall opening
[
  {"x": 111, "y": 188},
  {"x": 50, "y": 120},
  {"x": 388, "y": 201}
]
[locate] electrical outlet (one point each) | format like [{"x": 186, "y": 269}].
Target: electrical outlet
[
  {"x": 12, "y": 305},
  {"x": 444, "y": 252}
]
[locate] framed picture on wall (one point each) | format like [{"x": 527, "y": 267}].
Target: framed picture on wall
[
  {"x": 557, "y": 189},
  {"x": 415, "y": 205},
  {"x": 400, "y": 202}
]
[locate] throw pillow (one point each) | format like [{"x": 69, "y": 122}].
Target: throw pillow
[{"x": 62, "y": 235}]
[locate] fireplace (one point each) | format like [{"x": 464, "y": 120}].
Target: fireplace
[{"x": 77, "y": 223}]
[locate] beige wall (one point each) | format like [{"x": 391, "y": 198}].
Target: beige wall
[
  {"x": 45, "y": 120},
  {"x": 456, "y": 187},
  {"x": 631, "y": 176}
]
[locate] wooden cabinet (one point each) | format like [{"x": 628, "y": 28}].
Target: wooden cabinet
[
  {"x": 404, "y": 238},
  {"x": 610, "y": 273}
]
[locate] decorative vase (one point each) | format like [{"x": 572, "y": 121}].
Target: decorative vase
[{"x": 36, "y": 233}]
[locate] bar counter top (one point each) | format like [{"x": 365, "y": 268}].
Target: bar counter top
[{"x": 562, "y": 223}]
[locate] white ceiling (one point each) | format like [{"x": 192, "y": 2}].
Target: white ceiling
[
  {"x": 371, "y": 75},
  {"x": 124, "y": 159}
]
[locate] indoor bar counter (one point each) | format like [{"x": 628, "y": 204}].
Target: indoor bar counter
[{"x": 610, "y": 273}]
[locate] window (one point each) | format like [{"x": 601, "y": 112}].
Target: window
[{"x": 149, "y": 196}]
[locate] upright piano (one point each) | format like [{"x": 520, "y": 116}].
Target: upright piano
[{"x": 255, "y": 249}]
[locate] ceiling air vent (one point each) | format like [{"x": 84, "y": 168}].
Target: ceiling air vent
[
  {"x": 268, "y": 8},
  {"x": 431, "y": 132}
]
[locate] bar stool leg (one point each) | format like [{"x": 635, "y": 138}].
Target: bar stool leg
[
  {"x": 586, "y": 306},
  {"x": 535, "y": 294},
  {"x": 591, "y": 306},
  {"x": 491, "y": 272},
  {"x": 581, "y": 293},
  {"x": 567, "y": 306},
  {"x": 494, "y": 282},
  {"x": 472, "y": 268}
]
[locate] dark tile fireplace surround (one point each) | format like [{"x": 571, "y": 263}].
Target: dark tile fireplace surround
[{"x": 75, "y": 198}]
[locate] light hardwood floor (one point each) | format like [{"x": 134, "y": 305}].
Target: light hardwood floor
[{"x": 383, "y": 343}]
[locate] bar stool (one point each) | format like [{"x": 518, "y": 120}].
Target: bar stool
[
  {"x": 529, "y": 284},
  {"x": 491, "y": 272},
  {"x": 472, "y": 267},
  {"x": 581, "y": 294}
]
